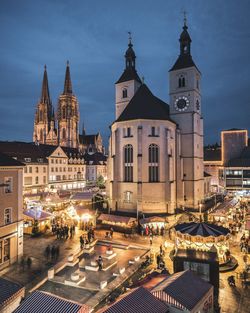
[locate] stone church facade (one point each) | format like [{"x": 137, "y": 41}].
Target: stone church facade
[{"x": 155, "y": 160}]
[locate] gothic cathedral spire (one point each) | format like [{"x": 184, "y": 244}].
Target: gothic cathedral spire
[
  {"x": 68, "y": 115},
  {"x": 44, "y": 111}
]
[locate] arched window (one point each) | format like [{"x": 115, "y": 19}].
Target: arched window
[
  {"x": 153, "y": 160},
  {"x": 41, "y": 134},
  {"x": 124, "y": 93},
  {"x": 40, "y": 115},
  {"x": 64, "y": 133},
  {"x": 128, "y": 163},
  {"x": 63, "y": 112},
  {"x": 181, "y": 81}
]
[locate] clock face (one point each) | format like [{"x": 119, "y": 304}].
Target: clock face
[{"x": 181, "y": 103}]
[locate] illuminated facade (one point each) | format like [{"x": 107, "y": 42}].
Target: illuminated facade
[{"x": 156, "y": 149}]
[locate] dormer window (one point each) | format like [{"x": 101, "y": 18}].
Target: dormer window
[{"x": 124, "y": 93}]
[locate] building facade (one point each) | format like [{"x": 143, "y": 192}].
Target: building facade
[
  {"x": 156, "y": 150},
  {"x": 11, "y": 205}
]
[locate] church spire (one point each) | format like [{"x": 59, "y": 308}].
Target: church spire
[
  {"x": 185, "y": 39},
  {"x": 67, "y": 83},
  {"x": 130, "y": 54},
  {"x": 45, "y": 98}
]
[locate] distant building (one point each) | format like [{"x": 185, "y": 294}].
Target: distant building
[
  {"x": 185, "y": 291},
  {"x": 11, "y": 294},
  {"x": 229, "y": 164},
  {"x": 96, "y": 166},
  {"x": 155, "y": 149},
  {"x": 62, "y": 128},
  {"x": 11, "y": 209}
]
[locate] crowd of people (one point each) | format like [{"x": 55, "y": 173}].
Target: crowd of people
[
  {"x": 151, "y": 230},
  {"x": 87, "y": 238},
  {"x": 52, "y": 253},
  {"x": 63, "y": 231}
]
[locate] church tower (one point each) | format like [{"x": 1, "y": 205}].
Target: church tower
[
  {"x": 68, "y": 115},
  {"x": 185, "y": 110},
  {"x": 128, "y": 83},
  {"x": 44, "y": 113}
]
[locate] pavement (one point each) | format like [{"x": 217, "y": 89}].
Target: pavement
[{"x": 231, "y": 299}]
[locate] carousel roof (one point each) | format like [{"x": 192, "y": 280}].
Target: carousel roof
[{"x": 202, "y": 229}]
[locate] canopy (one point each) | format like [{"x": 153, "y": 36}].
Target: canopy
[
  {"x": 39, "y": 215},
  {"x": 153, "y": 219},
  {"x": 202, "y": 229},
  {"x": 116, "y": 219}
]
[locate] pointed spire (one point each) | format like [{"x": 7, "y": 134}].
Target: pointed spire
[
  {"x": 185, "y": 39},
  {"x": 45, "y": 98},
  {"x": 83, "y": 129},
  {"x": 67, "y": 83},
  {"x": 130, "y": 54}
]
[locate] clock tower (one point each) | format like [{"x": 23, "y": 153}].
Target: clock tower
[{"x": 185, "y": 110}]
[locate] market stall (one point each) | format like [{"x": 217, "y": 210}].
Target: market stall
[
  {"x": 203, "y": 237},
  {"x": 38, "y": 218},
  {"x": 118, "y": 223},
  {"x": 154, "y": 224}
]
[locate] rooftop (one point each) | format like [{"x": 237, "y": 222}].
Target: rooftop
[
  {"x": 8, "y": 290},
  {"x": 139, "y": 300},
  {"x": 178, "y": 287},
  {"x": 41, "y": 302},
  {"x": 202, "y": 229},
  {"x": 144, "y": 105}
]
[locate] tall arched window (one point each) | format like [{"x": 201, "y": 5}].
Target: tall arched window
[
  {"x": 153, "y": 160},
  {"x": 64, "y": 133},
  {"x": 124, "y": 93},
  {"x": 181, "y": 81},
  {"x": 41, "y": 134},
  {"x": 128, "y": 163},
  {"x": 40, "y": 115},
  {"x": 64, "y": 112}
]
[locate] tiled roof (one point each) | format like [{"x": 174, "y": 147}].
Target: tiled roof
[
  {"x": 144, "y": 105},
  {"x": 37, "y": 153},
  {"x": 5, "y": 160},
  {"x": 8, "y": 290},
  {"x": 41, "y": 302},
  {"x": 129, "y": 73},
  {"x": 96, "y": 158},
  {"x": 39, "y": 215},
  {"x": 183, "y": 61},
  {"x": 185, "y": 287},
  {"x": 201, "y": 229},
  {"x": 139, "y": 300}
]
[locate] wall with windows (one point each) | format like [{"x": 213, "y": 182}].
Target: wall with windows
[
  {"x": 141, "y": 166},
  {"x": 35, "y": 176},
  {"x": 11, "y": 219}
]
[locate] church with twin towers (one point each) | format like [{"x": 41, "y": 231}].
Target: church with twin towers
[
  {"x": 62, "y": 127},
  {"x": 155, "y": 162}
]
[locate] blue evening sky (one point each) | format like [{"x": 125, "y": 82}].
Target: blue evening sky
[{"x": 92, "y": 35}]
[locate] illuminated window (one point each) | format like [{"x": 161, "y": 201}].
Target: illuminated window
[
  {"x": 8, "y": 182},
  {"x": 153, "y": 160},
  {"x": 127, "y": 196},
  {"x": 128, "y": 163},
  {"x": 7, "y": 216}
]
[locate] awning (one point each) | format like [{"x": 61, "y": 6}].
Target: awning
[
  {"x": 153, "y": 219},
  {"x": 116, "y": 219},
  {"x": 38, "y": 215}
]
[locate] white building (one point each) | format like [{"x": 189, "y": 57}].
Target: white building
[{"x": 156, "y": 150}]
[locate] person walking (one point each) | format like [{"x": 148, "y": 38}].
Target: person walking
[
  {"x": 151, "y": 239},
  {"x": 53, "y": 252},
  {"x": 47, "y": 252},
  {"x": 29, "y": 262},
  {"x": 81, "y": 242}
]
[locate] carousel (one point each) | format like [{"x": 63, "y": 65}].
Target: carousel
[{"x": 203, "y": 237}]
